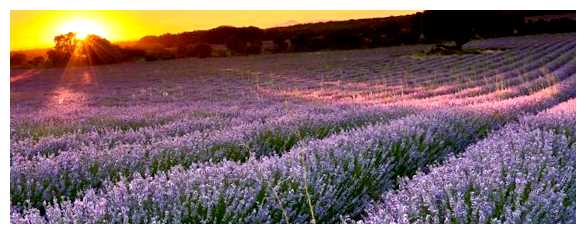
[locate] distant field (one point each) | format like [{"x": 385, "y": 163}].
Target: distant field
[{"x": 385, "y": 135}]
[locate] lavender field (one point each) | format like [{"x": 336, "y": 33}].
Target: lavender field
[{"x": 383, "y": 135}]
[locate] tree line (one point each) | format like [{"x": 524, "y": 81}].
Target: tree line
[{"x": 433, "y": 26}]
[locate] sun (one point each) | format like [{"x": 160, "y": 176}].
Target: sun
[{"x": 82, "y": 28}]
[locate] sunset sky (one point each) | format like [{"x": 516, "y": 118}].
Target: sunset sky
[{"x": 36, "y": 29}]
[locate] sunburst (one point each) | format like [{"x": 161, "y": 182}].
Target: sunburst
[{"x": 82, "y": 28}]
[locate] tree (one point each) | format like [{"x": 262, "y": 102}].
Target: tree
[
  {"x": 236, "y": 45},
  {"x": 133, "y": 53},
  {"x": 65, "y": 45},
  {"x": 159, "y": 54},
  {"x": 37, "y": 61},
  {"x": 57, "y": 58},
  {"x": 462, "y": 26},
  {"x": 343, "y": 39},
  {"x": 201, "y": 51},
  {"x": 247, "y": 40},
  {"x": 17, "y": 59},
  {"x": 219, "y": 35},
  {"x": 66, "y": 42},
  {"x": 280, "y": 44},
  {"x": 97, "y": 50},
  {"x": 300, "y": 42},
  {"x": 93, "y": 50},
  {"x": 254, "y": 47},
  {"x": 455, "y": 26},
  {"x": 307, "y": 41}
]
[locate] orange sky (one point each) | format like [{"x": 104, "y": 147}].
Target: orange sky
[{"x": 36, "y": 29}]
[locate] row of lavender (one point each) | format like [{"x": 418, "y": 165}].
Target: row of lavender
[
  {"x": 482, "y": 75},
  {"x": 64, "y": 175},
  {"x": 524, "y": 173}
]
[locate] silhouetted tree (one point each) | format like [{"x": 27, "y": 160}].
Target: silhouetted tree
[
  {"x": 133, "y": 53},
  {"x": 236, "y": 45},
  {"x": 219, "y": 35},
  {"x": 57, "y": 58},
  {"x": 98, "y": 50},
  {"x": 201, "y": 51},
  {"x": 65, "y": 45},
  {"x": 93, "y": 50},
  {"x": 343, "y": 39},
  {"x": 307, "y": 41},
  {"x": 254, "y": 47},
  {"x": 280, "y": 44},
  {"x": 386, "y": 34},
  {"x": 37, "y": 61},
  {"x": 247, "y": 40},
  {"x": 456, "y": 26},
  {"x": 168, "y": 40},
  {"x": 250, "y": 34},
  {"x": 17, "y": 59},
  {"x": 159, "y": 54}
]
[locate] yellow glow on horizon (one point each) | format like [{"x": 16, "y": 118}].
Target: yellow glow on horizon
[{"x": 31, "y": 29}]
